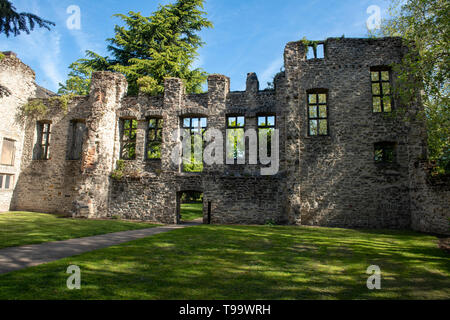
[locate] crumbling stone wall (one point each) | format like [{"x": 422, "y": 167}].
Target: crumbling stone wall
[
  {"x": 334, "y": 178},
  {"x": 322, "y": 180}
]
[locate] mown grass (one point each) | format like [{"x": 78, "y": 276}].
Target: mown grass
[
  {"x": 247, "y": 262},
  {"x": 21, "y": 228},
  {"x": 191, "y": 211}
]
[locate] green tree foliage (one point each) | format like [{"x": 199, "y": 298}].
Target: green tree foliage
[
  {"x": 426, "y": 24},
  {"x": 148, "y": 49},
  {"x": 12, "y": 22}
]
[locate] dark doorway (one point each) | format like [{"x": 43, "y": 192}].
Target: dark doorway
[{"x": 190, "y": 208}]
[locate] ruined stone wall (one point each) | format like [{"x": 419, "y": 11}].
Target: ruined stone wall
[
  {"x": 322, "y": 180},
  {"x": 17, "y": 86},
  {"x": 334, "y": 178}
]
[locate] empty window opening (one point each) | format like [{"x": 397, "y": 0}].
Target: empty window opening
[
  {"x": 6, "y": 182},
  {"x": 381, "y": 90},
  {"x": 154, "y": 138},
  {"x": 266, "y": 126},
  {"x": 318, "y": 114},
  {"x": 8, "y": 151},
  {"x": 194, "y": 128},
  {"x": 385, "y": 152},
  {"x": 191, "y": 206},
  {"x": 77, "y": 133},
  {"x": 316, "y": 51},
  {"x": 236, "y": 137},
  {"x": 42, "y": 148},
  {"x": 128, "y": 128}
]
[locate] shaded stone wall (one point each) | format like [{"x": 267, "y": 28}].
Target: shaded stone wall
[
  {"x": 16, "y": 86},
  {"x": 51, "y": 185}
]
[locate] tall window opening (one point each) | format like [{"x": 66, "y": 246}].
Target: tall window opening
[
  {"x": 42, "y": 148},
  {"x": 8, "y": 151},
  {"x": 78, "y": 130},
  {"x": 266, "y": 126},
  {"x": 385, "y": 152},
  {"x": 195, "y": 128},
  {"x": 235, "y": 137}
]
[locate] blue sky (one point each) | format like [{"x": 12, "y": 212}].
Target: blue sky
[{"x": 248, "y": 35}]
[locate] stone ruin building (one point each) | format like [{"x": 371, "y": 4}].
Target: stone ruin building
[{"x": 344, "y": 160}]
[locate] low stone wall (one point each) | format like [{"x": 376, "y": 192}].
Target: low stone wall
[{"x": 233, "y": 200}]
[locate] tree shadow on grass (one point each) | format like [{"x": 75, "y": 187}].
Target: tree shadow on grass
[{"x": 231, "y": 262}]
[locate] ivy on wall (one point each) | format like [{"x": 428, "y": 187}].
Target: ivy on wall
[{"x": 36, "y": 108}]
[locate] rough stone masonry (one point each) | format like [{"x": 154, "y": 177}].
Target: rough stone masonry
[{"x": 344, "y": 160}]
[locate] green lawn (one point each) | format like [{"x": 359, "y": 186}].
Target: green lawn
[
  {"x": 20, "y": 228},
  {"x": 247, "y": 262},
  {"x": 191, "y": 211}
]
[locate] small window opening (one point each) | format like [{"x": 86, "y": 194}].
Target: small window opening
[
  {"x": 385, "y": 152},
  {"x": 316, "y": 51},
  {"x": 78, "y": 130},
  {"x": 266, "y": 126}
]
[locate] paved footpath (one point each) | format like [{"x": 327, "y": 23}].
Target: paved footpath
[{"x": 16, "y": 258}]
